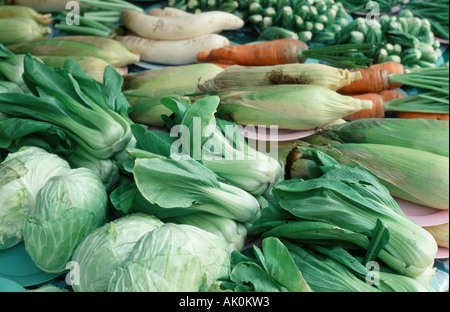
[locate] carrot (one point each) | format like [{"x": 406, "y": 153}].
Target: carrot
[
  {"x": 391, "y": 68},
  {"x": 274, "y": 52},
  {"x": 391, "y": 95},
  {"x": 414, "y": 115},
  {"x": 373, "y": 80},
  {"x": 377, "y": 110}
]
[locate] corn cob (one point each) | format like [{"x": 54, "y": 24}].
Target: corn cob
[
  {"x": 421, "y": 134},
  {"x": 296, "y": 107},
  {"x": 8, "y": 11},
  {"x": 413, "y": 175},
  {"x": 21, "y": 29},
  {"x": 110, "y": 50},
  {"x": 250, "y": 76},
  {"x": 93, "y": 66},
  {"x": 440, "y": 234},
  {"x": 180, "y": 77}
]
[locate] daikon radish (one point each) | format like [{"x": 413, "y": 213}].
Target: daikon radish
[
  {"x": 168, "y": 12},
  {"x": 173, "y": 52},
  {"x": 179, "y": 28}
]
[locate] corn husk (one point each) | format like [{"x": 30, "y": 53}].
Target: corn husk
[
  {"x": 8, "y": 11},
  {"x": 93, "y": 66},
  {"x": 421, "y": 134},
  {"x": 109, "y": 50},
  {"x": 47, "y": 6},
  {"x": 413, "y": 175},
  {"x": 440, "y": 233},
  {"x": 296, "y": 107},
  {"x": 185, "y": 77},
  {"x": 21, "y": 29},
  {"x": 147, "y": 107},
  {"x": 250, "y": 76}
]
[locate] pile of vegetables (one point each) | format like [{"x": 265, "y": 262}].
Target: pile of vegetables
[
  {"x": 21, "y": 23},
  {"x": 405, "y": 39},
  {"x": 145, "y": 178},
  {"x": 176, "y": 40},
  {"x": 315, "y": 21}
]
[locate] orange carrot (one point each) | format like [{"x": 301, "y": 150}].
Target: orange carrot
[
  {"x": 274, "y": 52},
  {"x": 391, "y": 68},
  {"x": 414, "y": 115},
  {"x": 377, "y": 110},
  {"x": 391, "y": 95},
  {"x": 373, "y": 80}
]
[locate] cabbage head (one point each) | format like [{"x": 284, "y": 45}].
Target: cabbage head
[
  {"x": 107, "y": 247},
  {"x": 22, "y": 174},
  {"x": 173, "y": 258},
  {"x": 68, "y": 207}
]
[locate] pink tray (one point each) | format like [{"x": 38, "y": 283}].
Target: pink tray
[
  {"x": 422, "y": 215},
  {"x": 442, "y": 253}
]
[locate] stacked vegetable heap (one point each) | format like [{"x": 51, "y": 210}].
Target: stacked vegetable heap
[{"x": 146, "y": 181}]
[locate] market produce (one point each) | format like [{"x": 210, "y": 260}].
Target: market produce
[
  {"x": 435, "y": 12},
  {"x": 297, "y": 107},
  {"x": 383, "y": 5},
  {"x": 317, "y": 74},
  {"x": 404, "y": 39},
  {"x": 196, "y": 186},
  {"x": 419, "y": 134},
  {"x": 233, "y": 233},
  {"x": 93, "y": 66},
  {"x": 221, "y": 147},
  {"x": 11, "y": 68},
  {"x": 179, "y": 28},
  {"x": 311, "y": 21},
  {"x": 171, "y": 78},
  {"x": 7, "y": 86},
  {"x": 440, "y": 233},
  {"x": 285, "y": 51},
  {"x": 107, "y": 248},
  {"x": 109, "y": 50},
  {"x": 349, "y": 207},
  {"x": 271, "y": 269},
  {"x": 154, "y": 262},
  {"x": 173, "y": 52},
  {"x": 8, "y": 11},
  {"x": 21, "y": 29},
  {"x": 23, "y": 174},
  {"x": 413, "y": 175},
  {"x": 167, "y": 12},
  {"x": 69, "y": 206},
  {"x": 346, "y": 273},
  {"x": 70, "y": 99}
]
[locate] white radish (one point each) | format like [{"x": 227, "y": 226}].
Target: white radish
[
  {"x": 168, "y": 12},
  {"x": 179, "y": 28},
  {"x": 173, "y": 52}
]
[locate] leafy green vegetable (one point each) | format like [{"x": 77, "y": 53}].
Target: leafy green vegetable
[
  {"x": 68, "y": 207},
  {"x": 22, "y": 175},
  {"x": 107, "y": 248},
  {"x": 173, "y": 257},
  {"x": 271, "y": 270},
  {"x": 70, "y": 99}
]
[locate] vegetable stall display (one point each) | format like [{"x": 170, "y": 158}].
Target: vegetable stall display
[{"x": 124, "y": 147}]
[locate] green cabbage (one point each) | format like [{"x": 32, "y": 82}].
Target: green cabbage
[
  {"x": 173, "y": 258},
  {"x": 105, "y": 249},
  {"x": 68, "y": 207},
  {"x": 22, "y": 174}
]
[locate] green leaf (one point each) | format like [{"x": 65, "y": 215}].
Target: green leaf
[
  {"x": 379, "y": 239},
  {"x": 251, "y": 277},
  {"x": 200, "y": 113},
  {"x": 155, "y": 141},
  {"x": 281, "y": 267},
  {"x": 159, "y": 179}
]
